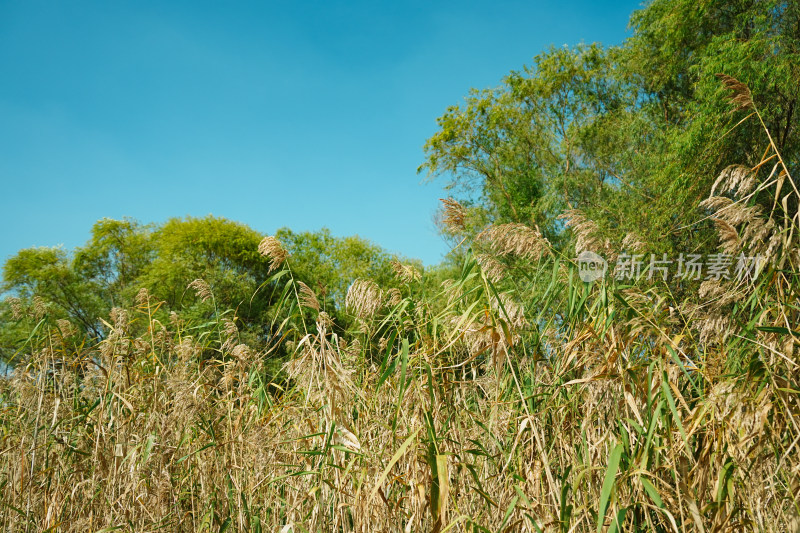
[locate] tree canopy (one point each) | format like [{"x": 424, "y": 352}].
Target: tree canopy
[
  {"x": 122, "y": 257},
  {"x": 630, "y": 137}
]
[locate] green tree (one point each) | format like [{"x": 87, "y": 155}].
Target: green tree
[
  {"x": 551, "y": 138},
  {"x": 123, "y": 256},
  {"x": 49, "y": 274},
  {"x": 632, "y": 136},
  {"x": 221, "y": 252},
  {"x": 677, "y": 50}
]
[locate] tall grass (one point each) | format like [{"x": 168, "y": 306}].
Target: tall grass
[{"x": 516, "y": 398}]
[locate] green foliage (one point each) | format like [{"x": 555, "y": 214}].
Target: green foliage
[
  {"x": 631, "y": 136},
  {"x": 122, "y": 257},
  {"x": 553, "y": 137},
  {"x": 49, "y": 274},
  {"x": 222, "y": 253},
  {"x": 115, "y": 255}
]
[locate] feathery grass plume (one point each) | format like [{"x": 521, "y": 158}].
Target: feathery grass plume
[
  {"x": 773, "y": 237},
  {"x": 273, "y": 249},
  {"x": 740, "y": 96},
  {"x": 717, "y": 203},
  {"x": 394, "y": 296},
  {"x": 201, "y": 289},
  {"x": 758, "y": 235},
  {"x": 405, "y": 273},
  {"x": 494, "y": 269},
  {"x": 325, "y": 319},
  {"x": 510, "y": 310},
  {"x": 186, "y": 350},
  {"x": 742, "y": 417},
  {"x": 229, "y": 327},
  {"x": 319, "y": 370},
  {"x": 242, "y": 352},
  {"x": 352, "y": 350},
  {"x": 39, "y": 307},
  {"x": 586, "y": 231},
  {"x": 493, "y": 330},
  {"x": 734, "y": 213},
  {"x": 363, "y": 298},
  {"x": 140, "y": 347},
  {"x": 715, "y": 327},
  {"x": 66, "y": 328},
  {"x": 729, "y": 237},
  {"x": 307, "y": 296},
  {"x": 715, "y": 294},
  {"x": 515, "y": 239},
  {"x": 230, "y": 332},
  {"x": 735, "y": 178},
  {"x": 142, "y": 297},
  {"x": 229, "y": 375},
  {"x": 119, "y": 317},
  {"x": 17, "y": 309},
  {"x": 454, "y": 215},
  {"x": 632, "y": 243}
]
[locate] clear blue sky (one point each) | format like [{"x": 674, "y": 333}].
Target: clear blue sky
[{"x": 297, "y": 114}]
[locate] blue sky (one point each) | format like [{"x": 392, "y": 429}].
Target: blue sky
[{"x": 273, "y": 114}]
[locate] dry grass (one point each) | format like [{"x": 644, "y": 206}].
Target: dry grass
[{"x": 469, "y": 425}]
